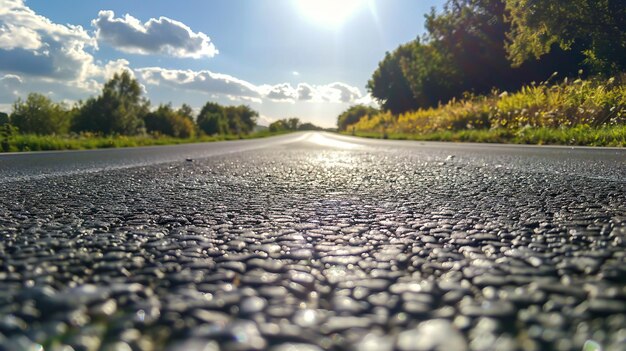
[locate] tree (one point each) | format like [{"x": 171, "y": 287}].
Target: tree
[
  {"x": 212, "y": 119},
  {"x": 6, "y": 131},
  {"x": 291, "y": 124},
  {"x": 354, "y": 114},
  {"x": 389, "y": 85},
  {"x": 278, "y": 126},
  {"x": 308, "y": 126},
  {"x": 166, "y": 121},
  {"x": 185, "y": 111},
  {"x": 246, "y": 117},
  {"x": 118, "y": 110},
  {"x": 597, "y": 27},
  {"x": 463, "y": 51},
  {"x": 39, "y": 115}
]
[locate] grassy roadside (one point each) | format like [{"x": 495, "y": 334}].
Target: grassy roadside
[
  {"x": 580, "y": 112},
  {"x": 29, "y": 142},
  {"x": 579, "y": 136}
]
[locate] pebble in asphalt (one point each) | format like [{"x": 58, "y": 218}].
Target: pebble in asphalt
[{"x": 313, "y": 249}]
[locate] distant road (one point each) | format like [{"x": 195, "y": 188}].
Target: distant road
[
  {"x": 313, "y": 241},
  {"x": 609, "y": 163}
]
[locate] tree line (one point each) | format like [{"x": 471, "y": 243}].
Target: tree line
[
  {"x": 121, "y": 109},
  {"x": 292, "y": 124},
  {"x": 475, "y": 46}
]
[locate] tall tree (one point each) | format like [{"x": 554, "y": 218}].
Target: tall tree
[
  {"x": 463, "y": 51},
  {"x": 4, "y": 118},
  {"x": 293, "y": 123},
  {"x": 167, "y": 121},
  {"x": 244, "y": 117},
  {"x": 598, "y": 27},
  {"x": 39, "y": 115},
  {"x": 185, "y": 111},
  {"x": 118, "y": 110},
  {"x": 389, "y": 85},
  {"x": 212, "y": 119}
]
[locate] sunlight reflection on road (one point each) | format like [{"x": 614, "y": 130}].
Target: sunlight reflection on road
[{"x": 323, "y": 140}]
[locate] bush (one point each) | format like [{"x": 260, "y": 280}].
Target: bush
[
  {"x": 166, "y": 121},
  {"x": 593, "y": 102},
  {"x": 39, "y": 115},
  {"x": 354, "y": 114}
]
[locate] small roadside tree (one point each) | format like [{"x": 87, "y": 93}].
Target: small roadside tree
[
  {"x": 212, "y": 120},
  {"x": 185, "y": 111},
  {"x": 164, "y": 120},
  {"x": 39, "y": 115},
  {"x": 118, "y": 110}
]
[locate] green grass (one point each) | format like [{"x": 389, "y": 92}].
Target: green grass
[
  {"x": 580, "y": 136},
  {"x": 29, "y": 142},
  {"x": 578, "y": 112}
]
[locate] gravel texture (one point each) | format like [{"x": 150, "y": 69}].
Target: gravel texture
[{"x": 297, "y": 247}]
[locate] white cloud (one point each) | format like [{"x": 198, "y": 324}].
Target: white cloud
[
  {"x": 31, "y": 44},
  {"x": 238, "y": 89},
  {"x": 162, "y": 36},
  {"x": 12, "y": 37},
  {"x": 49, "y": 54},
  {"x": 117, "y": 66},
  {"x": 6, "y": 108},
  {"x": 203, "y": 81},
  {"x": 9, "y": 88},
  {"x": 280, "y": 92},
  {"x": 338, "y": 92},
  {"x": 266, "y": 120},
  {"x": 305, "y": 92},
  {"x": 368, "y": 100}
]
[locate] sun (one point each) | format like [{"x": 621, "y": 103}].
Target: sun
[{"x": 328, "y": 12}]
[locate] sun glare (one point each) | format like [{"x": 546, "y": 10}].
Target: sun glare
[{"x": 328, "y": 12}]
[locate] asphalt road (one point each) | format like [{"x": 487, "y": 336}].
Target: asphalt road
[{"x": 314, "y": 241}]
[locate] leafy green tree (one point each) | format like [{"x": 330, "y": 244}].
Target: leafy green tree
[
  {"x": 165, "y": 120},
  {"x": 431, "y": 74},
  {"x": 389, "y": 85},
  {"x": 293, "y": 123},
  {"x": 120, "y": 108},
  {"x": 463, "y": 51},
  {"x": 185, "y": 111},
  {"x": 4, "y": 118},
  {"x": 597, "y": 27},
  {"x": 354, "y": 114},
  {"x": 39, "y": 115},
  {"x": 6, "y": 131},
  {"x": 278, "y": 126},
  {"x": 245, "y": 118},
  {"x": 308, "y": 126},
  {"x": 212, "y": 119}
]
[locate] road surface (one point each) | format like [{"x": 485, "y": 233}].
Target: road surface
[{"x": 314, "y": 241}]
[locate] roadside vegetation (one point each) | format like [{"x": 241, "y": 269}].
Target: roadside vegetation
[
  {"x": 122, "y": 117},
  {"x": 499, "y": 71},
  {"x": 292, "y": 125}
]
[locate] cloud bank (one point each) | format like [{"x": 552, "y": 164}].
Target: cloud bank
[
  {"x": 38, "y": 55},
  {"x": 234, "y": 88},
  {"x": 47, "y": 53},
  {"x": 162, "y": 36}
]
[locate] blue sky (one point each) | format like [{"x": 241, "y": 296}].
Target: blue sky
[{"x": 305, "y": 58}]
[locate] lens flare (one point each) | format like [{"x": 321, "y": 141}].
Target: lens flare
[{"x": 328, "y": 12}]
